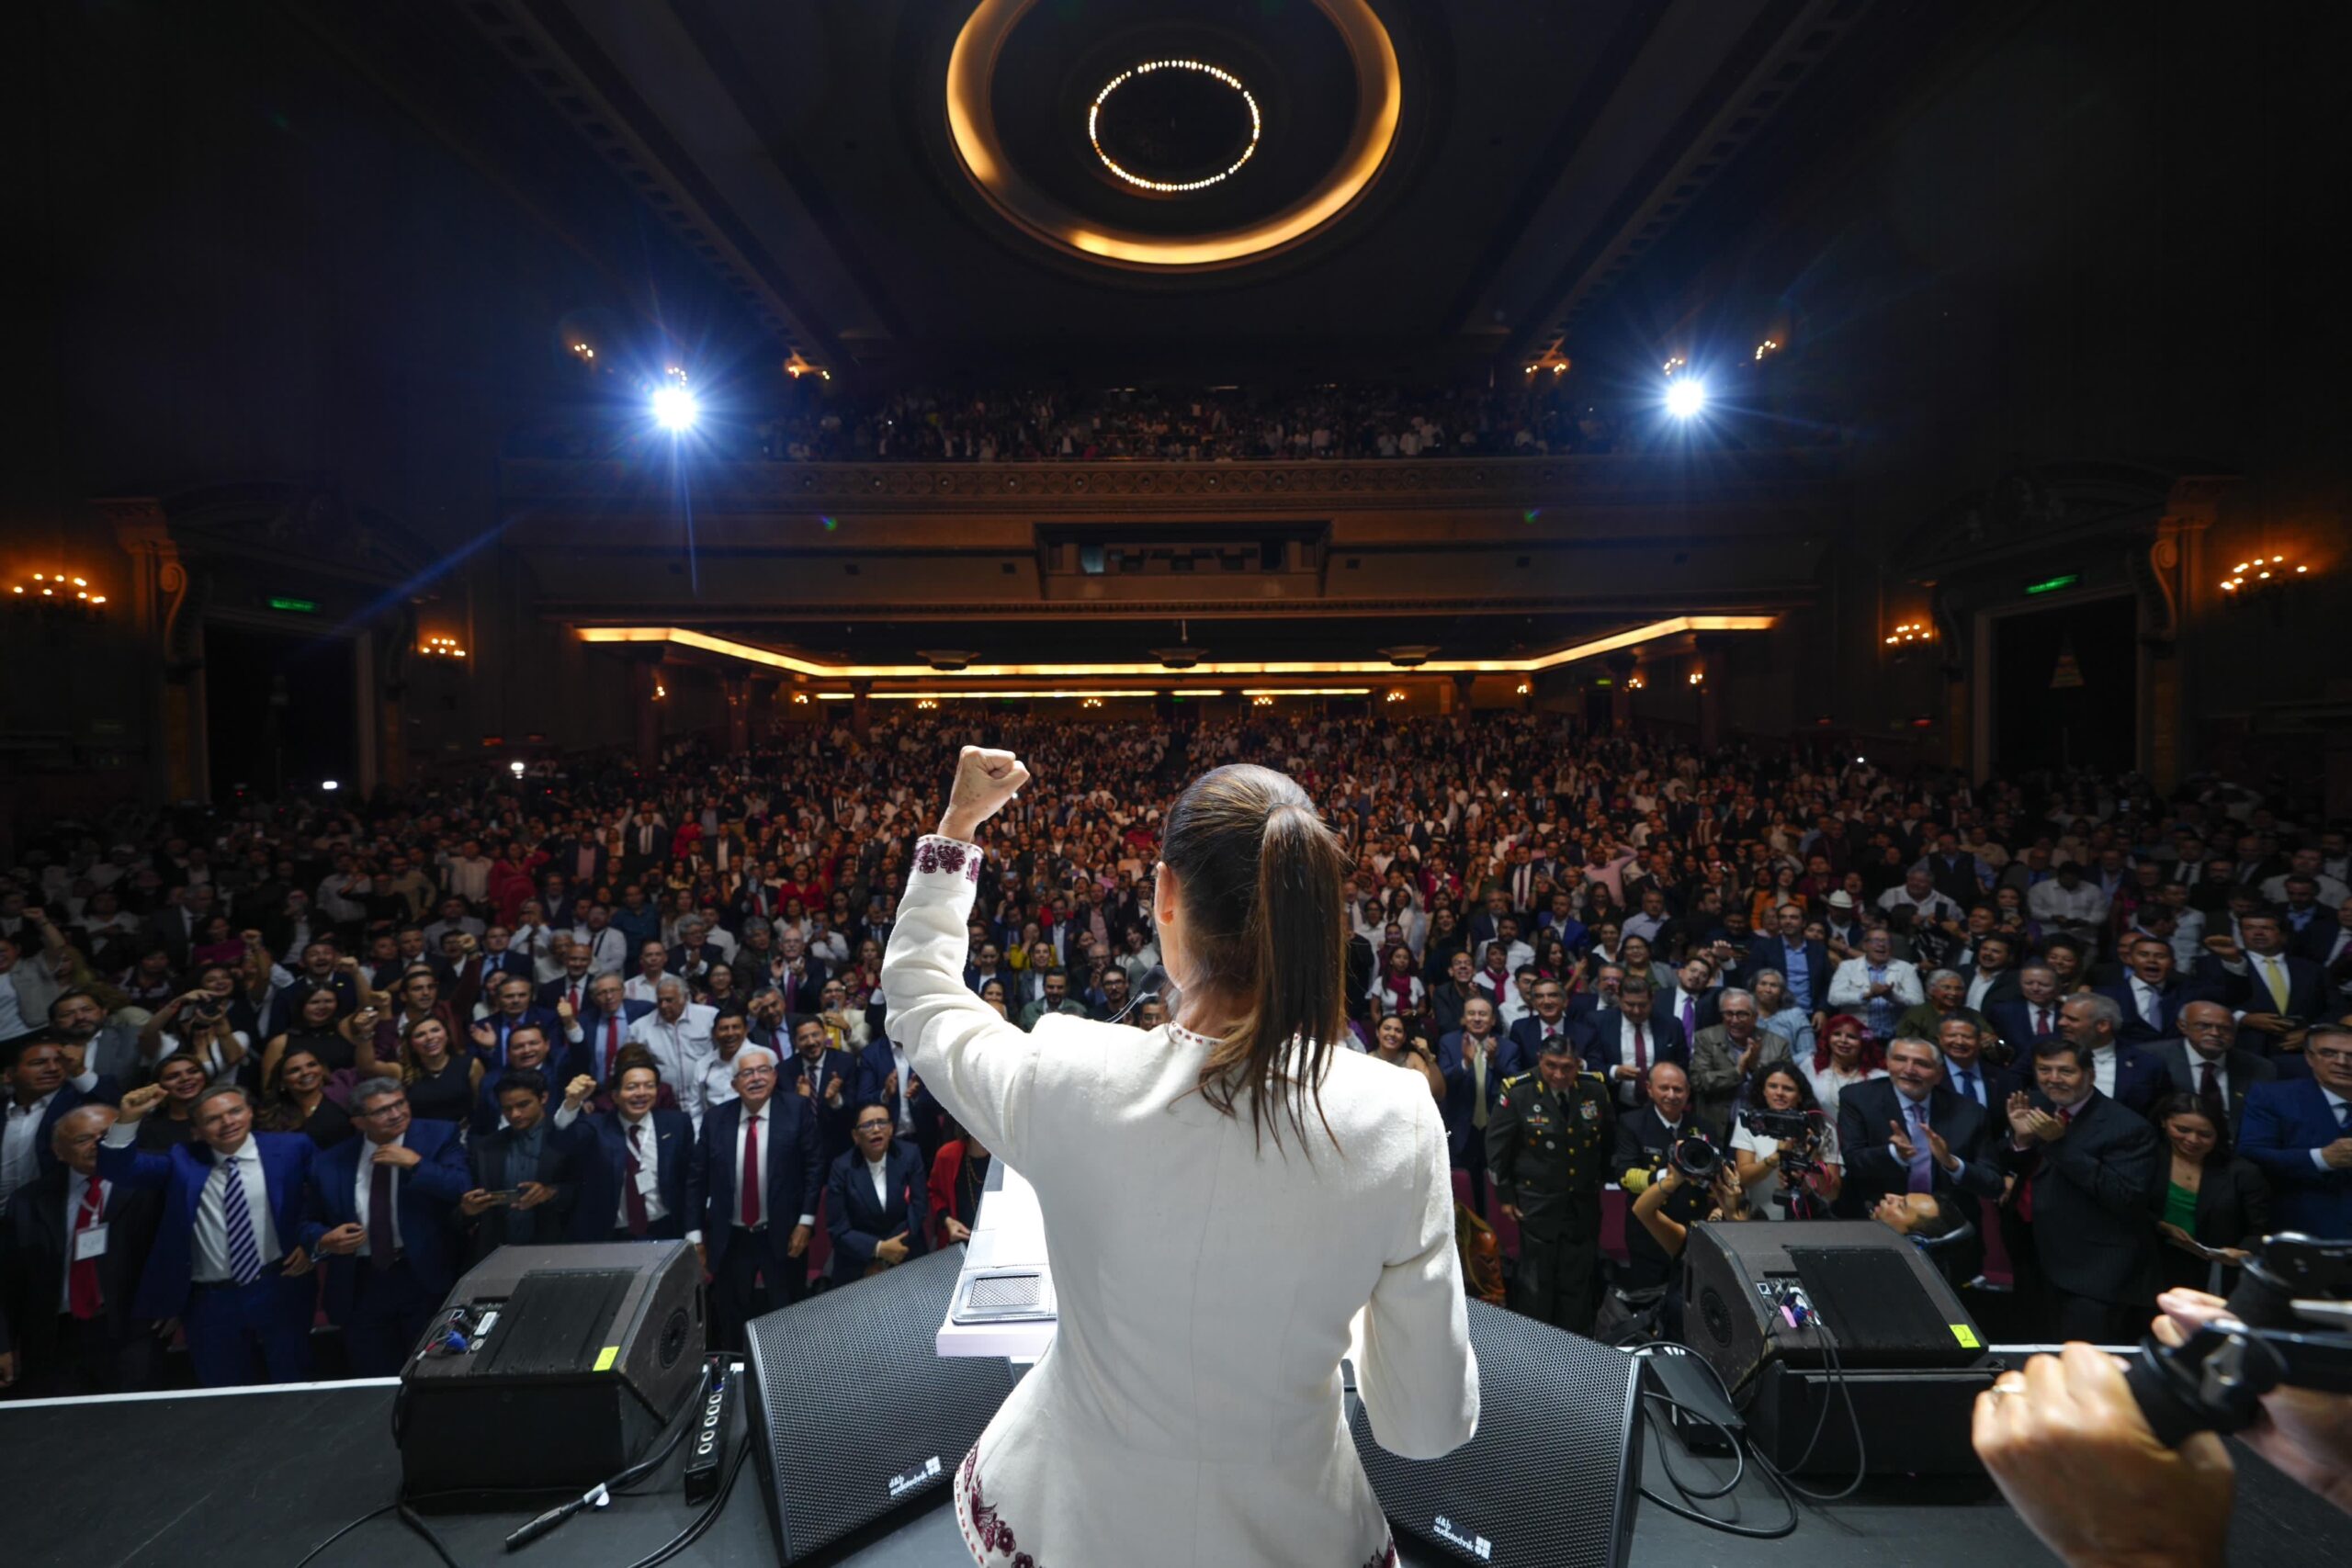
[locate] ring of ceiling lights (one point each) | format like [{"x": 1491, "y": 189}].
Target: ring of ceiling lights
[
  {"x": 972, "y": 127},
  {"x": 1174, "y": 187}
]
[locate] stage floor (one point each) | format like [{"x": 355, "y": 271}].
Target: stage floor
[{"x": 255, "y": 1478}]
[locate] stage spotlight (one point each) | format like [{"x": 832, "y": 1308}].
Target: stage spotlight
[
  {"x": 329, "y": 783},
  {"x": 1685, "y": 396},
  {"x": 674, "y": 408}
]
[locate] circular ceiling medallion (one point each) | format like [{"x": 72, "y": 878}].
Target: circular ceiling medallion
[
  {"x": 1208, "y": 124},
  {"x": 1174, "y": 123}
]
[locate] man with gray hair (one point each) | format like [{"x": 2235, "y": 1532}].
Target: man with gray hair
[
  {"x": 678, "y": 1034},
  {"x": 2119, "y": 1070},
  {"x": 72, "y": 1247},
  {"x": 385, "y": 1198},
  {"x": 758, "y": 1164},
  {"x": 1724, "y": 1057}
]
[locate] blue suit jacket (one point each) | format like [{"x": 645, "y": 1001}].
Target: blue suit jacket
[
  {"x": 795, "y": 1175},
  {"x": 495, "y": 1056},
  {"x": 1771, "y": 952},
  {"x": 858, "y": 1222},
  {"x": 1523, "y": 1042},
  {"x": 2140, "y": 1079},
  {"x": 1604, "y": 1037},
  {"x": 1462, "y": 1096},
  {"x": 180, "y": 1173},
  {"x": 603, "y": 1172},
  {"x": 2013, "y": 1021},
  {"x": 429, "y": 1191},
  {"x": 2285, "y": 1120},
  {"x": 2178, "y": 994},
  {"x": 588, "y": 1057}
]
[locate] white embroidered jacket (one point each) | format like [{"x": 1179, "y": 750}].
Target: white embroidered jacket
[{"x": 1189, "y": 1410}]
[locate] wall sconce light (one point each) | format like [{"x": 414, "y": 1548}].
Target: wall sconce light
[
  {"x": 58, "y": 593},
  {"x": 659, "y": 691},
  {"x": 1911, "y": 632},
  {"x": 1634, "y": 683},
  {"x": 1698, "y": 677},
  {"x": 1092, "y": 702},
  {"x": 1396, "y": 696},
  {"x": 800, "y": 699},
  {"x": 1262, "y": 701},
  {"x": 2260, "y": 573},
  {"x": 927, "y": 702},
  {"x": 439, "y": 647},
  {"x": 1769, "y": 346},
  {"x": 1523, "y": 688}
]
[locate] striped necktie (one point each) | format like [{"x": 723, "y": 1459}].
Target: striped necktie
[{"x": 245, "y": 1251}]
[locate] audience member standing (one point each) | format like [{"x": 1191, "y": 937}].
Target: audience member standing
[
  {"x": 759, "y": 1169},
  {"x": 2087, "y": 1169},
  {"x": 386, "y": 1200}
]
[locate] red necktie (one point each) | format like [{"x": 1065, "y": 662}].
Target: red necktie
[
  {"x": 751, "y": 1182},
  {"x": 612, "y": 1044},
  {"x": 1640, "y": 1051},
  {"x": 632, "y": 1194},
  {"x": 82, "y": 1280},
  {"x": 574, "y": 998},
  {"x": 2041, "y": 1020}
]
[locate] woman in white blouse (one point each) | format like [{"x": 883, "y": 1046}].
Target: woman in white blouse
[
  {"x": 1846, "y": 1054},
  {"x": 1231, "y": 1206}
]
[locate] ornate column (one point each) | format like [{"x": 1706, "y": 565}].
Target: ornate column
[
  {"x": 645, "y": 680},
  {"x": 761, "y": 716},
  {"x": 737, "y": 690},
  {"x": 170, "y": 630},
  {"x": 861, "y": 707},
  {"x": 2166, "y": 577}
]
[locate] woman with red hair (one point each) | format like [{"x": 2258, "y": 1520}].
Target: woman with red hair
[{"x": 1844, "y": 1054}]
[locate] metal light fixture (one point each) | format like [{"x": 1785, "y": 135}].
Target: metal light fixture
[
  {"x": 1911, "y": 632},
  {"x": 2260, "y": 571},
  {"x": 439, "y": 647}
]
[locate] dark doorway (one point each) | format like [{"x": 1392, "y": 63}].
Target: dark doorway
[
  {"x": 277, "y": 711},
  {"x": 2091, "y": 725},
  {"x": 1599, "y": 703}
]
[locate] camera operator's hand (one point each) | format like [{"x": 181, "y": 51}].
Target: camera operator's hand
[
  {"x": 2074, "y": 1457},
  {"x": 2305, "y": 1434}
]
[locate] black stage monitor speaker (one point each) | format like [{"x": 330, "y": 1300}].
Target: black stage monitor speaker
[
  {"x": 1551, "y": 1477},
  {"x": 1900, "y": 1350},
  {"x": 551, "y": 1366},
  {"x": 856, "y": 1418}
]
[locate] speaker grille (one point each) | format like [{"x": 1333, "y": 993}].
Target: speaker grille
[
  {"x": 1550, "y": 1477},
  {"x": 1003, "y": 1293},
  {"x": 859, "y": 1415}
]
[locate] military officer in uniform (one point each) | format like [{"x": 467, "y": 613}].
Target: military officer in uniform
[{"x": 1548, "y": 1145}]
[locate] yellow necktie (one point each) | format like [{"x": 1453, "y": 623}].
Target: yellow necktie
[
  {"x": 2276, "y": 978},
  {"x": 1478, "y": 1084}
]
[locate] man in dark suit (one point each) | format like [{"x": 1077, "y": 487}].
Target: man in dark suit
[
  {"x": 1910, "y": 1133},
  {"x": 1621, "y": 1043},
  {"x": 2087, "y": 1170},
  {"x": 2310, "y": 925},
  {"x": 694, "y": 953},
  {"x": 2123, "y": 1073},
  {"x": 525, "y": 1175},
  {"x": 1525, "y": 1040},
  {"x": 235, "y": 1243},
  {"x": 825, "y": 1079},
  {"x": 755, "y": 1231},
  {"x": 1993, "y": 978},
  {"x": 2150, "y": 995},
  {"x": 570, "y": 988},
  {"x": 1645, "y": 1138},
  {"x": 1468, "y": 1058},
  {"x": 2206, "y": 1061},
  {"x": 596, "y": 1036},
  {"x": 39, "y": 1093},
  {"x": 2300, "y": 1132},
  {"x": 511, "y": 1010},
  {"x": 2032, "y": 1017},
  {"x": 637, "y": 1168},
  {"x": 526, "y": 1051},
  {"x": 884, "y": 1075},
  {"x": 645, "y": 844},
  {"x": 1968, "y": 1075},
  {"x": 1805, "y": 966},
  {"x": 385, "y": 1199},
  {"x": 93, "y": 1344},
  {"x": 2279, "y": 994},
  {"x": 876, "y": 1202}
]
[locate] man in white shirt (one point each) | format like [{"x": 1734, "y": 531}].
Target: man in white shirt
[
  {"x": 654, "y": 964},
  {"x": 469, "y": 872},
  {"x": 761, "y": 1170},
  {"x": 40, "y": 1094},
  {"x": 607, "y": 944},
  {"x": 2306, "y": 862},
  {"x": 2068, "y": 903},
  {"x": 678, "y": 1034},
  {"x": 1918, "y": 894}
]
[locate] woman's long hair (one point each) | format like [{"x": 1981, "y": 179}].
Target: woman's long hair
[{"x": 1260, "y": 876}]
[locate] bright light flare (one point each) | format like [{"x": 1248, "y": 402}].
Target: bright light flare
[
  {"x": 675, "y": 408},
  {"x": 1685, "y": 396}
]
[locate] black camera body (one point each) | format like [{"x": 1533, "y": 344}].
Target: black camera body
[
  {"x": 1695, "y": 1157},
  {"x": 1802, "y": 1128}
]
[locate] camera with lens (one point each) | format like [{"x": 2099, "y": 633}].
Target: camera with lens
[
  {"x": 1803, "y": 1129},
  {"x": 1692, "y": 1157}
]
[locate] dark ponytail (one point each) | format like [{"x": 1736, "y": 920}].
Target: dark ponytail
[{"x": 1261, "y": 877}]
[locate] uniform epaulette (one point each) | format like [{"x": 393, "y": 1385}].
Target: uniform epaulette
[
  {"x": 1594, "y": 1077},
  {"x": 1514, "y": 1079}
]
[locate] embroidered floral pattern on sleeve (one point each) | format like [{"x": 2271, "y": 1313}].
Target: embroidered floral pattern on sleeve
[{"x": 936, "y": 854}]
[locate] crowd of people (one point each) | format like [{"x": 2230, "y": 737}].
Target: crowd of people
[{"x": 300, "y": 1060}]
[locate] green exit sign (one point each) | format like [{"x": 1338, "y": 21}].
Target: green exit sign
[
  {"x": 294, "y": 607},
  {"x": 2051, "y": 584}
]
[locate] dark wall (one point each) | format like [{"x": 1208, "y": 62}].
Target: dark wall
[
  {"x": 271, "y": 243},
  {"x": 2001, "y": 236}
]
